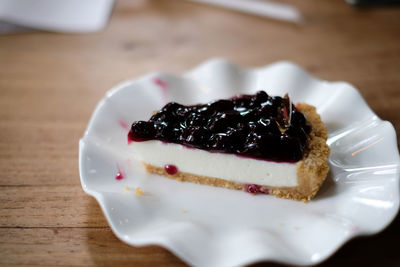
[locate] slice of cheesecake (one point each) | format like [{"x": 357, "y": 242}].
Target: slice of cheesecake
[{"x": 256, "y": 143}]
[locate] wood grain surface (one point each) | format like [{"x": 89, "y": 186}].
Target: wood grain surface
[{"x": 51, "y": 82}]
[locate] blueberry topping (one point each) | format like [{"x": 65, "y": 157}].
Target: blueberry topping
[
  {"x": 258, "y": 126},
  {"x": 221, "y": 105},
  {"x": 142, "y": 130}
]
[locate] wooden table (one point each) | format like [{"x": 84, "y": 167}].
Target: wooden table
[{"x": 50, "y": 84}]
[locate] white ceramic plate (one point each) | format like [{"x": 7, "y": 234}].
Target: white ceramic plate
[{"x": 208, "y": 226}]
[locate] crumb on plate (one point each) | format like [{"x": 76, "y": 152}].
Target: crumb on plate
[{"x": 138, "y": 191}]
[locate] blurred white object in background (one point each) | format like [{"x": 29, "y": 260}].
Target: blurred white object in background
[
  {"x": 267, "y": 9},
  {"x": 73, "y": 16}
]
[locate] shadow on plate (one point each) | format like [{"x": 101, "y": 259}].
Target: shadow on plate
[{"x": 328, "y": 189}]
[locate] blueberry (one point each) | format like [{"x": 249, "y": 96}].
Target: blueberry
[
  {"x": 143, "y": 129},
  {"x": 257, "y": 99},
  {"x": 195, "y": 135},
  {"x": 172, "y": 133},
  {"x": 217, "y": 124},
  {"x": 222, "y": 120},
  {"x": 268, "y": 144},
  {"x": 174, "y": 109},
  {"x": 242, "y": 101},
  {"x": 297, "y": 119},
  {"x": 261, "y": 97},
  {"x": 297, "y": 132},
  {"x": 221, "y": 105},
  {"x": 160, "y": 117},
  {"x": 194, "y": 119},
  {"x": 264, "y": 126},
  {"x": 218, "y": 142},
  {"x": 250, "y": 114},
  {"x": 236, "y": 139},
  {"x": 291, "y": 148},
  {"x": 267, "y": 111}
]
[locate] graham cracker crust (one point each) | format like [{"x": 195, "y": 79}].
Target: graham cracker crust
[{"x": 311, "y": 171}]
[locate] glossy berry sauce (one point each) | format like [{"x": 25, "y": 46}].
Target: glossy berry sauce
[{"x": 257, "y": 126}]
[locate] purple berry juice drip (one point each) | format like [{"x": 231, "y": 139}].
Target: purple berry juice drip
[
  {"x": 255, "y": 189},
  {"x": 171, "y": 169},
  {"x": 252, "y": 188},
  {"x": 120, "y": 174},
  {"x": 124, "y": 125},
  {"x": 164, "y": 88}
]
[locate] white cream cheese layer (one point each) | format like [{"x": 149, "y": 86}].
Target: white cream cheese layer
[{"x": 218, "y": 165}]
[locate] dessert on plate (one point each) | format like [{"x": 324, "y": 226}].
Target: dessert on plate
[{"x": 256, "y": 143}]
